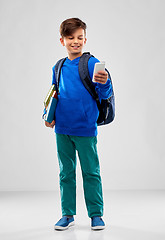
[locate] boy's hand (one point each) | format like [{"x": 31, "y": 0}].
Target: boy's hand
[
  {"x": 51, "y": 125},
  {"x": 101, "y": 77}
]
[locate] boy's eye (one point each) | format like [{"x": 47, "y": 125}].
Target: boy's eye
[{"x": 80, "y": 38}]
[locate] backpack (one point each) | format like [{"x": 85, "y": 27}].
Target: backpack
[{"x": 107, "y": 106}]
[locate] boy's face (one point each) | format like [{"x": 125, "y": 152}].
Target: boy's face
[{"x": 74, "y": 43}]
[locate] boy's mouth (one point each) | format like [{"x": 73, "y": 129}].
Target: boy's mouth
[{"x": 75, "y": 47}]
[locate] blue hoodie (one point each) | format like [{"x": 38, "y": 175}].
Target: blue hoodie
[{"x": 77, "y": 111}]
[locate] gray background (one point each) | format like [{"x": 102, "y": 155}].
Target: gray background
[{"x": 129, "y": 36}]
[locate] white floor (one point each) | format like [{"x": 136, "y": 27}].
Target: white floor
[{"x": 128, "y": 215}]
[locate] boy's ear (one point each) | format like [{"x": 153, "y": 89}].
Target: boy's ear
[
  {"x": 85, "y": 40},
  {"x": 62, "y": 41}
]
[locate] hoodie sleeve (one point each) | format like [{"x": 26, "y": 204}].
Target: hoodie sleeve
[{"x": 104, "y": 90}]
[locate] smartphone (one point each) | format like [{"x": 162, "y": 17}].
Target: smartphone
[{"x": 99, "y": 66}]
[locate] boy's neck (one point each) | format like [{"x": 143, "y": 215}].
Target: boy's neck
[{"x": 73, "y": 56}]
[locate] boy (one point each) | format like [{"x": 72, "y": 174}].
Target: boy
[{"x": 76, "y": 128}]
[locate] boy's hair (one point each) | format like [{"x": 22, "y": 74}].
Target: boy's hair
[{"x": 69, "y": 26}]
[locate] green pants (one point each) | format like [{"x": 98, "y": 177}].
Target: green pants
[{"x": 87, "y": 152}]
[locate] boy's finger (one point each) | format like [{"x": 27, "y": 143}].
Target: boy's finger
[
  {"x": 47, "y": 124},
  {"x": 102, "y": 72},
  {"x": 52, "y": 123},
  {"x": 99, "y": 77},
  {"x": 101, "y": 81}
]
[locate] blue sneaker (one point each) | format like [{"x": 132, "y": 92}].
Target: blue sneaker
[
  {"x": 64, "y": 223},
  {"x": 97, "y": 223}
]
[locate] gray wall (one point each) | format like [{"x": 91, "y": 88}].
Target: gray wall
[{"x": 129, "y": 36}]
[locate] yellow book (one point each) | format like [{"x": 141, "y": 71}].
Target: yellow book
[{"x": 49, "y": 95}]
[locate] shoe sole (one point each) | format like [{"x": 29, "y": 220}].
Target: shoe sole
[
  {"x": 64, "y": 228},
  {"x": 98, "y": 228}
]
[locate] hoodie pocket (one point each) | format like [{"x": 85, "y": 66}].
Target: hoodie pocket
[{"x": 70, "y": 113}]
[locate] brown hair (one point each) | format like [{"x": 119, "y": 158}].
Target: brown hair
[{"x": 69, "y": 26}]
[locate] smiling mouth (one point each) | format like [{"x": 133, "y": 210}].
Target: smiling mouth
[{"x": 75, "y": 47}]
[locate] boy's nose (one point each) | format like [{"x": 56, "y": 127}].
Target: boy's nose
[{"x": 76, "y": 41}]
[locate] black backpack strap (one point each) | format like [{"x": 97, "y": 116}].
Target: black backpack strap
[
  {"x": 58, "y": 67},
  {"x": 85, "y": 78},
  {"x": 84, "y": 74}
]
